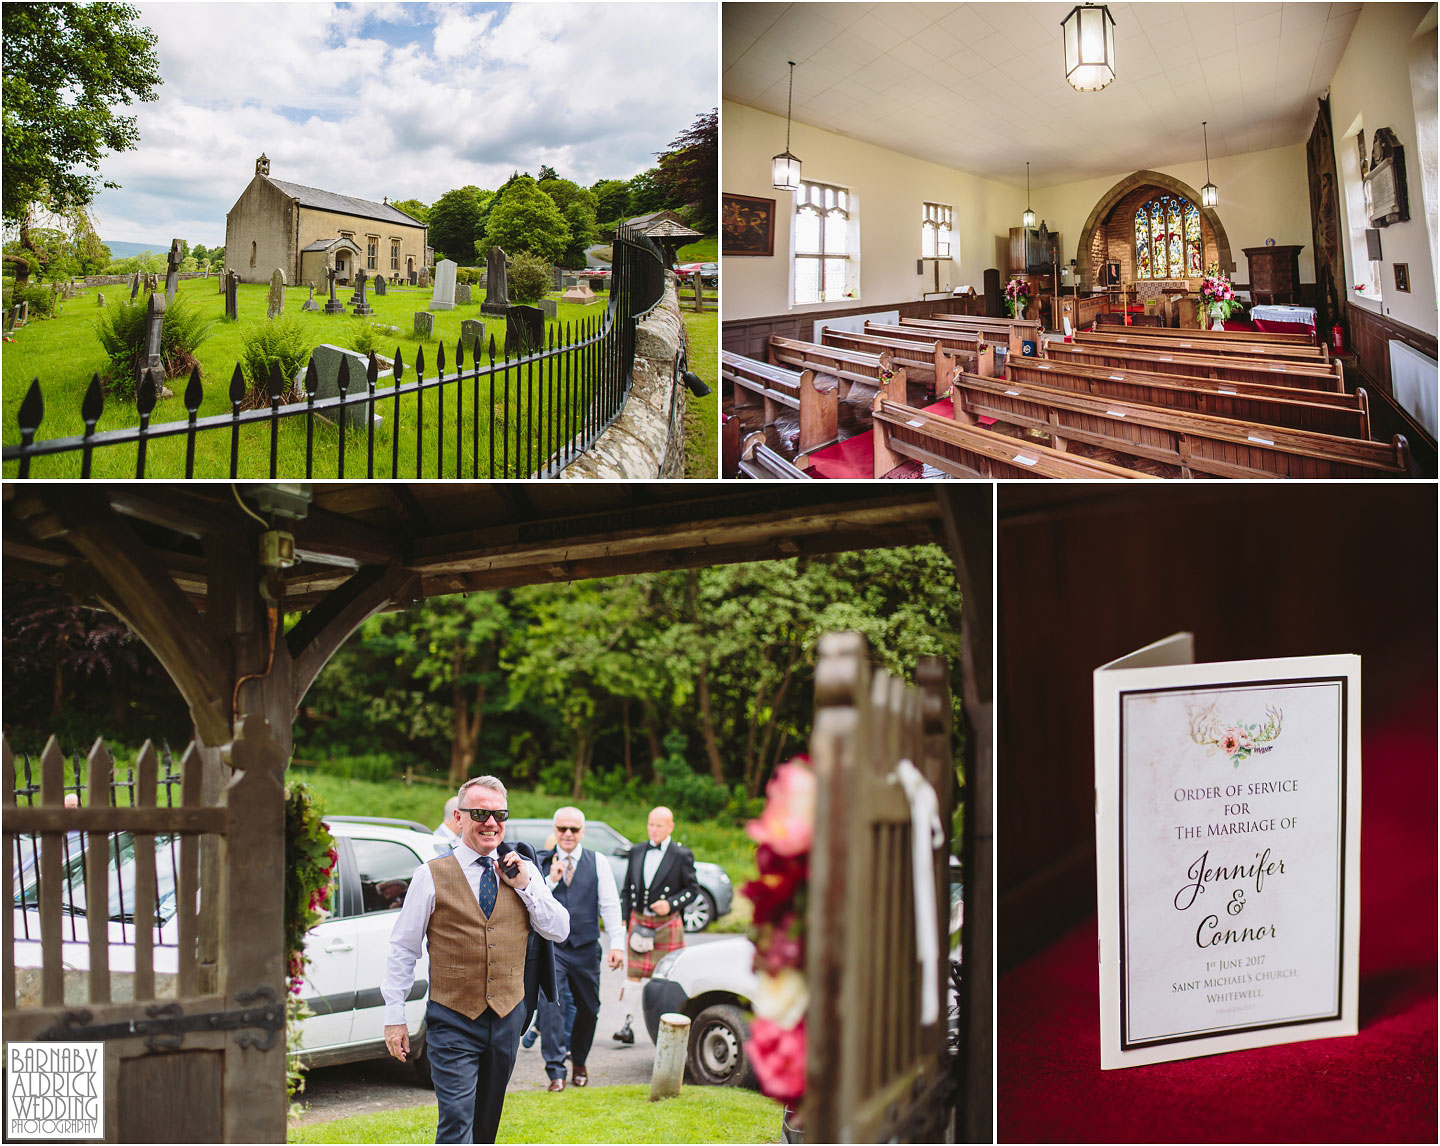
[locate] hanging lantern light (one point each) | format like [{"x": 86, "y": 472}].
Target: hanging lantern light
[
  {"x": 1209, "y": 194},
  {"x": 785, "y": 168},
  {"x": 1028, "y": 219},
  {"x": 1089, "y": 37}
]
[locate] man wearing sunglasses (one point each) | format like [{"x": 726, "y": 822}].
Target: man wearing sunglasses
[
  {"x": 585, "y": 884},
  {"x": 483, "y": 917}
]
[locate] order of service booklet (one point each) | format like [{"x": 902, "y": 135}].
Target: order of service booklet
[{"x": 1227, "y": 821}]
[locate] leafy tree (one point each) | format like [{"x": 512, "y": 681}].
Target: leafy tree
[
  {"x": 189, "y": 263},
  {"x": 546, "y": 173},
  {"x": 648, "y": 193},
  {"x": 689, "y": 172},
  {"x": 453, "y": 222},
  {"x": 612, "y": 199},
  {"x": 200, "y": 252},
  {"x": 145, "y": 263},
  {"x": 583, "y": 232},
  {"x": 524, "y": 218},
  {"x": 414, "y": 208},
  {"x": 67, "y": 68},
  {"x": 92, "y": 255},
  {"x": 565, "y": 192}
]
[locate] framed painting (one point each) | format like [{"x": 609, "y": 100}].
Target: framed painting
[
  {"x": 747, "y": 225},
  {"x": 1402, "y": 277}
]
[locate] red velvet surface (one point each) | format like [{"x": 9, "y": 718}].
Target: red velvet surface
[
  {"x": 855, "y": 457},
  {"x": 1379, "y": 1086}
]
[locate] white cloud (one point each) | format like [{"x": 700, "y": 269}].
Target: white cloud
[{"x": 404, "y": 100}]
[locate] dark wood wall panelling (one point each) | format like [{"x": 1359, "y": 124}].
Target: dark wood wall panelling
[
  {"x": 751, "y": 336},
  {"x": 1089, "y": 573},
  {"x": 1370, "y": 336}
]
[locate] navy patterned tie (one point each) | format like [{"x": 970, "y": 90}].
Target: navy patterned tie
[{"x": 487, "y": 885}]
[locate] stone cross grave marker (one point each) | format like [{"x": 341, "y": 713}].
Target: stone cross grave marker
[
  {"x": 357, "y": 300},
  {"x": 275, "y": 300},
  {"x": 172, "y": 270},
  {"x": 497, "y": 285},
  {"x": 310, "y": 303},
  {"x": 334, "y": 305},
  {"x": 150, "y": 364},
  {"x": 444, "y": 296}
]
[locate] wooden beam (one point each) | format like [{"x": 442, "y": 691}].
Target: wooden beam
[
  {"x": 185, "y": 513},
  {"x": 96, "y": 819},
  {"x": 337, "y": 536},
  {"x": 329, "y": 624},
  {"x": 137, "y": 589}
]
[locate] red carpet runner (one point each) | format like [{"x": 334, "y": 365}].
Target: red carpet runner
[{"x": 855, "y": 457}]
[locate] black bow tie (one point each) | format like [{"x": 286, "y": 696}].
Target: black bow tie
[{"x": 653, "y": 847}]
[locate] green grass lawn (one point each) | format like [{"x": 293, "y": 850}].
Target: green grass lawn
[
  {"x": 702, "y": 415},
  {"x": 719, "y": 842},
  {"x": 594, "y": 1114},
  {"x": 706, "y": 250},
  {"x": 63, "y": 353}
]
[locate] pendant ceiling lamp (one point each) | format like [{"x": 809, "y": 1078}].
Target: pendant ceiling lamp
[
  {"x": 785, "y": 168},
  {"x": 1089, "y": 37},
  {"x": 1028, "y": 219},
  {"x": 1209, "y": 194}
]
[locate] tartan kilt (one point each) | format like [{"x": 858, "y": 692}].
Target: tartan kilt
[{"x": 669, "y": 936}]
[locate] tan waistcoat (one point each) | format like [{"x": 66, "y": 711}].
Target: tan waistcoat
[{"x": 475, "y": 962}]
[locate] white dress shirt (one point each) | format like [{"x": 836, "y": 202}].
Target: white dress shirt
[
  {"x": 547, "y": 916},
  {"x": 650, "y": 865},
  {"x": 608, "y": 895}
]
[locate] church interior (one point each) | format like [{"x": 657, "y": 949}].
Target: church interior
[{"x": 1142, "y": 240}]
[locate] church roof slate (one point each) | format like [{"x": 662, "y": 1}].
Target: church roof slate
[{"x": 344, "y": 204}]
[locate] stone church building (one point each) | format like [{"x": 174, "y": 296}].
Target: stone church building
[{"x": 302, "y": 230}]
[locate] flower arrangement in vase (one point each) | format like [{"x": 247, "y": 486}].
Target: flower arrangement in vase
[
  {"x": 784, "y": 833},
  {"x": 1017, "y": 297},
  {"x": 1217, "y": 296}
]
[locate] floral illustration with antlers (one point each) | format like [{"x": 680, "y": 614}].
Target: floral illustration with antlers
[{"x": 1238, "y": 739}]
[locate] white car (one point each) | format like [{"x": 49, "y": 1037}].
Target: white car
[
  {"x": 347, "y": 950},
  {"x": 713, "y": 984}
]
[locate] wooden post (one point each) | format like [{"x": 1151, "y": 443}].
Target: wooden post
[{"x": 670, "y": 1047}]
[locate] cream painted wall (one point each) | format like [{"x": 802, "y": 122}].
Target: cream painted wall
[
  {"x": 889, "y": 189},
  {"x": 1263, "y": 195},
  {"x": 1373, "y": 83}
]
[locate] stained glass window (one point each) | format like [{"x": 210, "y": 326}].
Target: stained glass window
[{"x": 1167, "y": 239}]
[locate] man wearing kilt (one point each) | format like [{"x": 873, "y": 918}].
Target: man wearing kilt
[{"x": 659, "y": 883}]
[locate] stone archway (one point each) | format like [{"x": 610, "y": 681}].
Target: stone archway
[{"x": 1084, "y": 271}]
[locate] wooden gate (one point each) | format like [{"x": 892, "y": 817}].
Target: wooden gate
[
  {"x": 874, "y": 1072},
  {"x": 172, "y": 1039}
]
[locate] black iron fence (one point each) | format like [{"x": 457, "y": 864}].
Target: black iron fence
[
  {"x": 526, "y": 415},
  {"x": 121, "y": 873}
]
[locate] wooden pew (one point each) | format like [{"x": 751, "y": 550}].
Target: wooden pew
[
  {"x": 1162, "y": 338},
  {"x": 1082, "y": 310},
  {"x": 1231, "y": 335},
  {"x": 925, "y": 361},
  {"x": 1345, "y": 415},
  {"x": 1010, "y": 332},
  {"x": 815, "y": 399},
  {"x": 1121, "y": 356},
  {"x": 757, "y": 460},
  {"x": 969, "y": 350},
  {"x": 1197, "y": 443},
  {"x": 845, "y": 366},
  {"x": 967, "y": 451}
]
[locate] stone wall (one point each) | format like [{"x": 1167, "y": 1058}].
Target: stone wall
[
  {"x": 124, "y": 280},
  {"x": 639, "y": 444}
]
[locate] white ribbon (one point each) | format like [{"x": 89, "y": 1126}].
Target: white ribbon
[{"x": 927, "y": 834}]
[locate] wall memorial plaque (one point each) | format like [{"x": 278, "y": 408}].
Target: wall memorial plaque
[{"x": 1227, "y": 849}]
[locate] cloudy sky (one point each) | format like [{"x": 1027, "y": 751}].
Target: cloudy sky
[{"x": 405, "y": 100}]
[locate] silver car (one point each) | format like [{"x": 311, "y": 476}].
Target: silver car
[{"x": 716, "y": 891}]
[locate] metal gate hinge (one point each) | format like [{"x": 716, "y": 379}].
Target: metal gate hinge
[{"x": 165, "y": 1024}]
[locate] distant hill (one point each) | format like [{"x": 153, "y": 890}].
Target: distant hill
[{"x": 125, "y": 250}]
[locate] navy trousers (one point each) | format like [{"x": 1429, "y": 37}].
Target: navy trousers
[
  {"x": 471, "y": 1061},
  {"x": 579, "y": 969}
]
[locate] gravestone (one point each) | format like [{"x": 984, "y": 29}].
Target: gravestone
[
  {"x": 580, "y": 293},
  {"x": 424, "y": 325},
  {"x": 172, "y": 270},
  {"x": 380, "y": 288},
  {"x": 310, "y": 303},
  {"x": 557, "y": 278},
  {"x": 550, "y": 307},
  {"x": 23, "y": 313},
  {"x": 135, "y": 287},
  {"x": 599, "y": 284},
  {"x": 472, "y": 335},
  {"x": 524, "y": 330},
  {"x": 357, "y": 300},
  {"x": 414, "y": 278},
  {"x": 327, "y": 361},
  {"x": 232, "y": 292},
  {"x": 334, "y": 305},
  {"x": 462, "y": 294},
  {"x": 220, "y": 275},
  {"x": 100, "y": 300},
  {"x": 497, "y": 284},
  {"x": 150, "y": 362},
  {"x": 568, "y": 281},
  {"x": 275, "y": 300},
  {"x": 444, "y": 296},
  {"x": 424, "y": 280}
]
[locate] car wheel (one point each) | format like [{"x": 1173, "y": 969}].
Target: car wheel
[
  {"x": 701, "y": 912},
  {"x": 717, "y": 1048},
  {"x": 420, "y": 1060}
]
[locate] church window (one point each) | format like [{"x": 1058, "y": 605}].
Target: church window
[
  {"x": 252, "y": 253},
  {"x": 1353, "y": 168},
  {"x": 826, "y": 242},
  {"x": 1167, "y": 239},
  {"x": 394, "y": 254},
  {"x": 936, "y": 220},
  {"x": 372, "y": 252}
]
